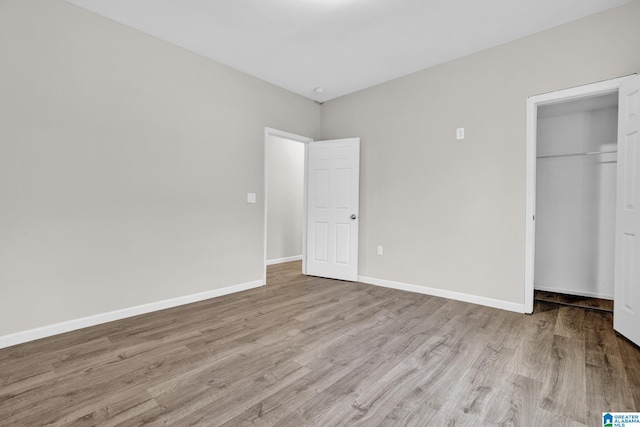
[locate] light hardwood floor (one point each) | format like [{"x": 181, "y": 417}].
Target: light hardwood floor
[{"x": 310, "y": 351}]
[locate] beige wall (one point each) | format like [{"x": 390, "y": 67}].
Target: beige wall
[
  {"x": 449, "y": 213},
  {"x": 124, "y": 166},
  {"x": 285, "y": 189}
]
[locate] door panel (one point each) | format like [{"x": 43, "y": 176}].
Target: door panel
[
  {"x": 322, "y": 189},
  {"x": 626, "y": 313},
  {"x": 332, "y": 199},
  {"x": 321, "y": 237},
  {"x": 343, "y": 243}
]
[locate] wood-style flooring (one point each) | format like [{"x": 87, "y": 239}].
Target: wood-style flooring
[
  {"x": 308, "y": 351},
  {"x": 575, "y": 300}
]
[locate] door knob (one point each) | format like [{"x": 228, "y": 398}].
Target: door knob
[{"x": 353, "y": 216}]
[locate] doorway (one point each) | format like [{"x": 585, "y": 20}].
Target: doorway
[
  {"x": 559, "y": 148},
  {"x": 576, "y": 249},
  {"x": 330, "y": 205},
  {"x": 285, "y": 198},
  {"x": 576, "y": 196},
  {"x": 285, "y": 192}
]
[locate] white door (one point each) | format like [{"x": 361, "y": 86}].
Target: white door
[
  {"x": 333, "y": 191},
  {"x": 626, "y": 312}
]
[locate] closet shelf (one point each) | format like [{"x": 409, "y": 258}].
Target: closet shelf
[{"x": 590, "y": 153}]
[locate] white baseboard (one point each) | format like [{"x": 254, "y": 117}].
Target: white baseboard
[
  {"x": 474, "y": 299},
  {"x": 283, "y": 260},
  {"x": 572, "y": 292},
  {"x": 72, "y": 325}
]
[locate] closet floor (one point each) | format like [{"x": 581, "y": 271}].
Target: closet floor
[{"x": 575, "y": 300}]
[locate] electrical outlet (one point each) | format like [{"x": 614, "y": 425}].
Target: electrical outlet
[
  {"x": 460, "y": 133},
  {"x": 379, "y": 250}
]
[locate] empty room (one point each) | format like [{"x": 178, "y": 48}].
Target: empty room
[{"x": 319, "y": 212}]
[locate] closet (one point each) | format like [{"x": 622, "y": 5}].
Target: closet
[{"x": 576, "y": 196}]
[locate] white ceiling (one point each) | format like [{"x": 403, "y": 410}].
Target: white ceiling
[{"x": 340, "y": 45}]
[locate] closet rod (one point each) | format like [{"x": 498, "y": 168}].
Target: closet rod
[{"x": 590, "y": 153}]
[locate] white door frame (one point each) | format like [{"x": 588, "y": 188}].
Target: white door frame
[
  {"x": 269, "y": 132},
  {"x": 533, "y": 102}
]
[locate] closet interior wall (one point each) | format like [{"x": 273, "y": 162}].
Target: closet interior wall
[{"x": 575, "y": 196}]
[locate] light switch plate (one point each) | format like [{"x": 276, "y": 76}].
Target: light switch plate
[
  {"x": 460, "y": 133},
  {"x": 251, "y": 197}
]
